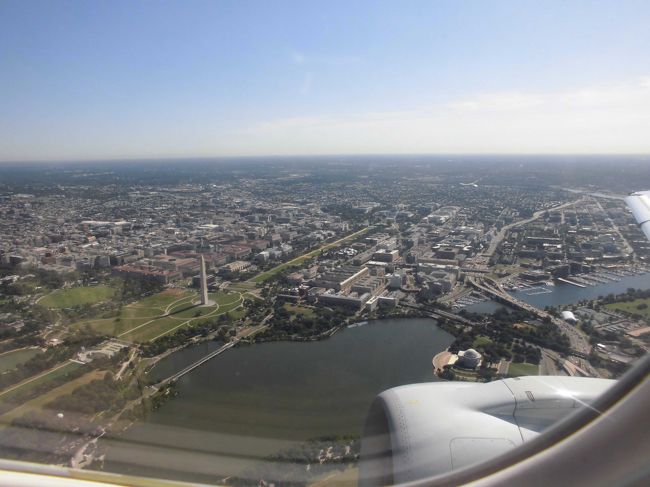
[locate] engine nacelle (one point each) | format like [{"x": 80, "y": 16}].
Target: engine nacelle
[{"x": 422, "y": 430}]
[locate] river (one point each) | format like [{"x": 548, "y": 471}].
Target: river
[
  {"x": 562, "y": 293},
  {"x": 255, "y": 400}
]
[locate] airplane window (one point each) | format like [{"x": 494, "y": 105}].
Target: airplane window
[{"x": 287, "y": 243}]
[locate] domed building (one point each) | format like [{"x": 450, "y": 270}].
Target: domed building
[
  {"x": 569, "y": 317},
  {"x": 469, "y": 359}
]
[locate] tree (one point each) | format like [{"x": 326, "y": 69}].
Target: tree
[
  {"x": 486, "y": 374},
  {"x": 447, "y": 373}
]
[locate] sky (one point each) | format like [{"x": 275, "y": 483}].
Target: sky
[{"x": 83, "y": 80}]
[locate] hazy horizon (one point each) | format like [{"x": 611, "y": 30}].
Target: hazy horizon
[
  {"x": 521, "y": 158},
  {"x": 123, "y": 80}
]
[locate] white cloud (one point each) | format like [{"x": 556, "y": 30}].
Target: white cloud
[
  {"x": 499, "y": 101},
  {"x": 594, "y": 119}
]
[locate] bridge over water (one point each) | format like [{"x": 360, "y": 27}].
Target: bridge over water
[
  {"x": 437, "y": 313},
  {"x": 199, "y": 362},
  {"x": 579, "y": 343},
  {"x": 214, "y": 353}
]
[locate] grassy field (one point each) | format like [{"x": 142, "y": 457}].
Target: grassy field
[
  {"x": 76, "y": 296},
  {"x": 40, "y": 401},
  {"x": 631, "y": 307},
  {"x": 299, "y": 310},
  {"x": 162, "y": 313},
  {"x": 32, "y": 382},
  {"x": 299, "y": 260},
  {"x": 481, "y": 340},
  {"x": 9, "y": 360},
  {"x": 516, "y": 369},
  {"x": 243, "y": 287}
]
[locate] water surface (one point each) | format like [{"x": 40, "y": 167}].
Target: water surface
[
  {"x": 255, "y": 400},
  {"x": 563, "y": 293}
]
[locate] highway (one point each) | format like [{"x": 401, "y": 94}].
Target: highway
[
  {"x": 577, "y": 339},
  {"x": 500, "y": 236},
  {"x": 549, "y": 363}
]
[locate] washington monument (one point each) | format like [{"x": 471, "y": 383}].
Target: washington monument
[{"x": 204, "y": 284}]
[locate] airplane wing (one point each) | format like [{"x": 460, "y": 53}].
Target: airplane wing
[{"x": 639, "y": 203}]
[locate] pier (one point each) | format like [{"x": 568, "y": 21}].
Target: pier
[{"x": 570, "y": 282}]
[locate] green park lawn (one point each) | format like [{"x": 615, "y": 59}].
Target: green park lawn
[
  {"x": 133, "y": 312},
  {"x": 149, "y": 330},
  {"x": 38, "y": 402},
  {"x": 43, "y": 378},
  {"x": 77, "y": 296},
  {"x": 9, "y": 360},
  {"x": 632, "y": 307},
  {"x": 163, "y": 299},
  {"x": 516, "y": 369},
  {"x": 481, "y": 340},
  {"x": 157, "y": 315},
  {"x": 299, "y": 310},
  {"x": 190, "y": 317},
  {"x": 243, "y": 286}
]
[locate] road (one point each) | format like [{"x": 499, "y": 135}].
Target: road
[
  {"x": 36, "y": 377},
  {"x": 500, "y": 236},
  {"x": 628, "y": 248},
  {"x": 456, "y": 293},
  {"x": 308, "y": 255},
  {"x": 579, "y": 342},
  {"x": 548, "y": 363}
]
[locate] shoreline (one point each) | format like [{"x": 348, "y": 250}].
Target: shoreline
[
  {"x": 120, "y": 428},
  {"x": 158, "y": 398},
  {"x": 535, "y": 289},
  {"x": 438, "y": 360}
]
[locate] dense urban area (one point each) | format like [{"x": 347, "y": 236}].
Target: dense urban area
[{"x": 106, "y": 269}]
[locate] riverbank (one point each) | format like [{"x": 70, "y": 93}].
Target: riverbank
[
  {"x": 244, "y": 405},
  {"x": 561, "y": 293},
  {"x": 364, "y": 317},
  {"x": 475, "y": 301},
  {"x": 151, "y": 363},
  {"x": 564, "y": 293}
]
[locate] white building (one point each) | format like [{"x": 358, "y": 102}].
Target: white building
[{"x": 569, "y": 317}]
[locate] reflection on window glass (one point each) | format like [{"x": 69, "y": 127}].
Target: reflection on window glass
[{"x": 179, "y": 301}]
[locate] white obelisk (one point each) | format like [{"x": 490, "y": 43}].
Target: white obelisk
[{"x": 204, "y": 284}]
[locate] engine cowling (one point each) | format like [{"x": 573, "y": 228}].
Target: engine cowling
[{"x": 422, "y": 430}]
